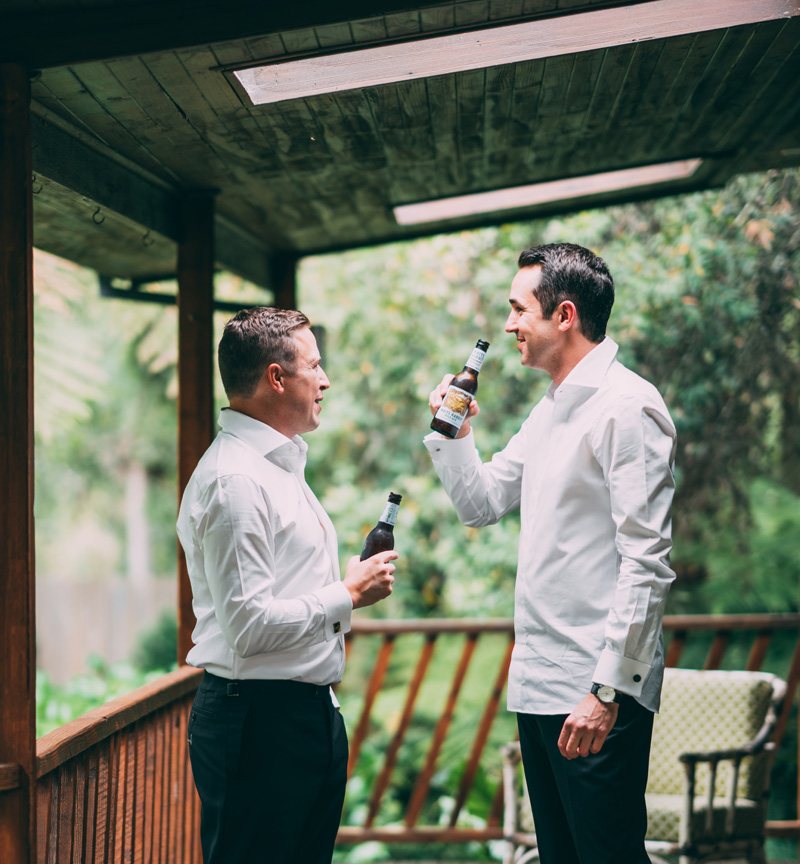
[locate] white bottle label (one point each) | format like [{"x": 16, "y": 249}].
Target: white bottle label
[
  {"x": 390, "y": 513},
  {"x": 455, "y": 406},
  {"x": 476, "y": 359}
]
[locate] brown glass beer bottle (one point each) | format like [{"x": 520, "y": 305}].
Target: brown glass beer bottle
[
  {"x": 463, "y": 387},
  {"x": 381, "y": 538}
]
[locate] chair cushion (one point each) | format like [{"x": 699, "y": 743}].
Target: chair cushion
[
  {"x": 703, "y": 711},
  {"x": 664, "y": 815}
]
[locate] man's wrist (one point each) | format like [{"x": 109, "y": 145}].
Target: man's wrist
[{"x": 605, "y": 693}]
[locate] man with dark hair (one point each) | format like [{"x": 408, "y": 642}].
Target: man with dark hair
[
  {"x": 591, "y": 470},
  {"x": 267, "y": 743}
]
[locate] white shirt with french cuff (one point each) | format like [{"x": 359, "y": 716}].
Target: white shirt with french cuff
[
  {"x": 591, "y": 470},
  {"x": 262, "y": 557}
]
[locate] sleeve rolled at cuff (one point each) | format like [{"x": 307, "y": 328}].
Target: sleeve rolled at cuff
[
  {"x": 338, "y": 605},
  {"x": 621, "y": 673},
  {"x": 449, "y": 451}
]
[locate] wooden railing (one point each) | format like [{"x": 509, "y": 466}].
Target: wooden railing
[
  {"x": 411, "y": 814},
  {"x": 424, "y": 703},
  {"x": 115, "y": 785}
]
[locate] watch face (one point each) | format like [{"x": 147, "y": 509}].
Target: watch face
[{"x": 606, "y": 693}]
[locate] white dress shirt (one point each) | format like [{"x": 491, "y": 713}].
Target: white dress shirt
[
  {"x": 263, "y": 561},
  {"x": 591, "y": 471}
]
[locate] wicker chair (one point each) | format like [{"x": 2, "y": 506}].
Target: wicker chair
[{"x": 710, "y": 768}]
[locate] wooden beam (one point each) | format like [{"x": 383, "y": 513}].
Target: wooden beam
[
  {"x": 65, "y": 159},
  {"x": 17, "y": 574},
  {"x": 283, "y": 280},
  {"x": 195, "y": 367}
]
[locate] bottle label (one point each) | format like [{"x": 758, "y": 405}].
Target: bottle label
[
  {"x": 455, "y": 406},
  {"x": 476, "y": 359},
  {"x": 390, "y": 513}
]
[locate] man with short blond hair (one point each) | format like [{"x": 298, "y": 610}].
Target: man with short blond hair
[{"x": 267, "y": 743}]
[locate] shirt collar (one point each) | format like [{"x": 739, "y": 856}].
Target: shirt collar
[
  {"x": 589, "y": 372},
  {"x": 286, "y": 453}
]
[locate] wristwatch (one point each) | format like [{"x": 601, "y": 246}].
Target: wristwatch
[{"x": 604, "y": 693}]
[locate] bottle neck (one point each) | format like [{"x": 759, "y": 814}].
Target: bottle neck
[
  {"x": 389, "y": 516},
  {"x": 475, "y": 360}
]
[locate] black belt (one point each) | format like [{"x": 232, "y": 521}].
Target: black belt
[{"x": 278, "y": 687}]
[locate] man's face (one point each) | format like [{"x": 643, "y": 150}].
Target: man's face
[
  {"x": 537, "y": 336},
  {"x": 305, "y": 384}
]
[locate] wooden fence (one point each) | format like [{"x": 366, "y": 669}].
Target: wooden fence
[{"x": 115, "y": 785}]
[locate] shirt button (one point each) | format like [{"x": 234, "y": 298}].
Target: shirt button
[{"x": 637, "y": 678}]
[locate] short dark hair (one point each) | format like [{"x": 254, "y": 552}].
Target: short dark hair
[
  {"x": 253, "y": 339},
  {"x": 570, "y": 272}
]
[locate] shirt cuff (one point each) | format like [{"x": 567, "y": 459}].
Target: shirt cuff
[
  {"x": 621, "y": 673},
  {"x": 449, "y": 451},
  {"x": 338, "y": 606}
]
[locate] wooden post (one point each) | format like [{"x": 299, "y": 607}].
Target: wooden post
[
  {"x": 195, "y": 367},
  {"x": 283, "y": 269},
  {"x": 17, "y": 575}
]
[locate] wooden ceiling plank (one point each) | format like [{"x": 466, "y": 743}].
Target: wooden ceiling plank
[
  {"x": 671, "y": 60},
  {"x": 555, "y": 86},
  {"x": 503, "y": 10},
  {"x": 538, "y": 7},
  {"x": 195, "y": 159},
  {"x": 680, "y": 98},
  {"x": 301, "y": 41},
  {"x": 471, "y": 13},
  {"x": 496, "y": 117},
  {"x": 736, "y": 57},
  {"x": 443, "y": 17},
  {"x": 121, "y": 122},
  {"x": 774, "y": 72},
  {"x": 267, "y": 47},
  {"x": 403, "y": 24},
  {"x": 585, "y": 73},
  {"x": 353, "y": 132},
  {"x": 441, "y": 107},
  {"x": 334, "y": 35},
  {"x": 605, "y": 98},
  {"x": 471, "y": 89},
  {"x": 368, "y": 30},
  {"x": 645, "y": 63},
  {"x": 625, "y": 93}
]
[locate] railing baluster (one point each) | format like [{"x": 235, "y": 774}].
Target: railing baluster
[
  {"x": 496, "y": 810},
  {"x": 482, "y": 735},
  {"x": 717, "y": 650},
  {"x": 423, "y": 781},
  {"x": 79, "y": 823},
  {"x": 399, "y": 735},
  {"x": 676, "y": 644},
  {"x": 91, "y": 809},
  {"x": 103, "y": 803},
  {"x": 758, "y": 651},
  {"x": 375, "y": 682}
]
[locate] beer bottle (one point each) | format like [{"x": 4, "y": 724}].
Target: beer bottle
[
  {"x": 381, "y": 538},
  {"x": 463, "y": 387}
]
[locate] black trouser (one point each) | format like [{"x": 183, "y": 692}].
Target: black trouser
[
  {"x": 269, "y": 760},
  {"x": 589, "y": 810}
]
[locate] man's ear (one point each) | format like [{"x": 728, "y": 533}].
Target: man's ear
[
  {"x": 566, "y": 315},
  {"x": 275, "y": 377}
]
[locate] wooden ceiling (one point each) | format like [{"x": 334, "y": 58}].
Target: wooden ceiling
[{"x": 131, "y": 111}]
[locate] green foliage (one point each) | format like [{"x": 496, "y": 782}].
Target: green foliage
[
  {"x": 57, "y": 705},
  {"x": 156, "y": 648}
]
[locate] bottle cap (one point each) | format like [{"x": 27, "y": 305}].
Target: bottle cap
[
  {"x": 394, "y": 498},
  {"x": 482, "y": 344}
]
